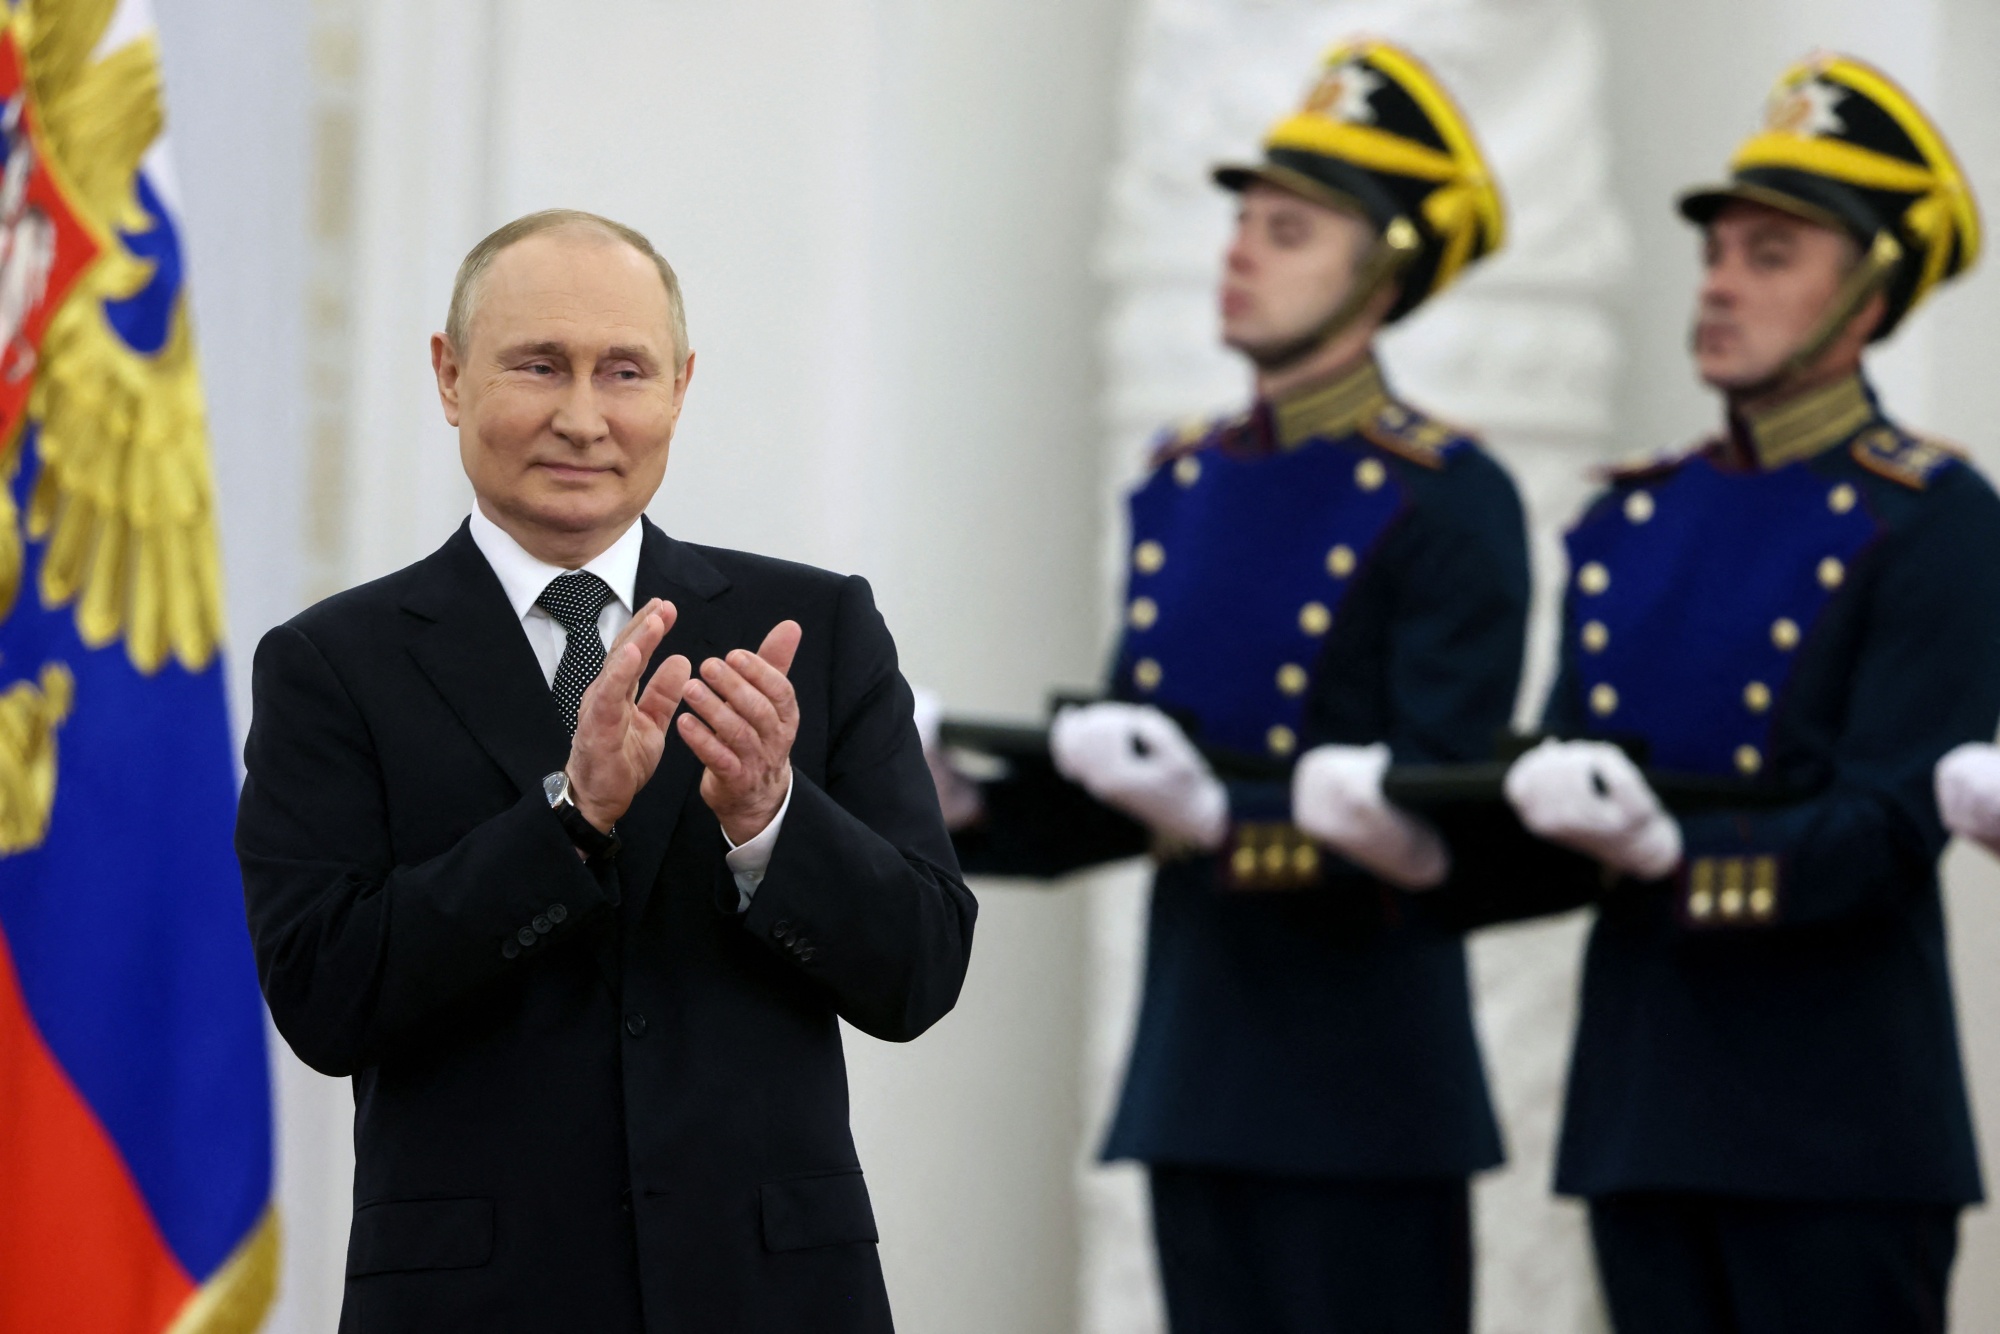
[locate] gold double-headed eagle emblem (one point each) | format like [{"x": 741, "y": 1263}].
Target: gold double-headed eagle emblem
[{"x": 121, "y": 503}]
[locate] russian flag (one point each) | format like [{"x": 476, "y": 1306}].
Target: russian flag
[{"x": 135, "y": 1104}]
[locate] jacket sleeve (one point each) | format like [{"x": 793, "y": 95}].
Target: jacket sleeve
[
  {"x": 863, "y": 893},
  {"x": 1038, "y": 824},
  {"x": 1446, "y": 663},
  {"x": 1458, "y": 626},
  {"x": 1925, "y": 678},
  {"x": 353, "y": 950},
  {"x": 1499, "y": 871}
]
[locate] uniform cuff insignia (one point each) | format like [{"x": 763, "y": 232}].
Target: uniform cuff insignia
[
  {"x": 1269, "y": 856},
  {"x": 1719, "y": 892}
]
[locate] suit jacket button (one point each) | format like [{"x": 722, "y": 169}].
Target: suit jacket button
[
  {"x": 558, "y": 914},
  {"x": 782, "y": 931},
  {"x": 806, "y": 954},
  {"x": 526, "y": 935},
  {"x": 635, "y": 1024},
  {"x": 509, "y": 949},
  {"x": 542, "y": 925}
]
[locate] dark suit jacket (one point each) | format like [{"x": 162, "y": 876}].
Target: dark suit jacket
[{"x": 592, "y": 1098}]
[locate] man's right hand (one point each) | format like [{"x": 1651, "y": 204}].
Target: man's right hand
[{"x": 619, "y": 738}]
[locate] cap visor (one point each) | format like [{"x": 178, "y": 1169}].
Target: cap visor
[
  {"x": 1238, "y": 177},
  {"x": 1700, "y": 205}
]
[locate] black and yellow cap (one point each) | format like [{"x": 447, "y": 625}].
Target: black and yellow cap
[
  {"x": 1843, "y": 146},
  {"x": 1379, "y": 136}
]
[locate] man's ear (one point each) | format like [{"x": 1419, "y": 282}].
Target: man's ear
[
  {"x": 1846, "y": 350},
  {"x": 1873, "y": 311},
  {"x": 1385, "y": 300},
  {"x": 444, "y": 364},
  {"x": 681, "y": 383}
]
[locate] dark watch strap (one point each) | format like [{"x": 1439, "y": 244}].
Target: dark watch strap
[{"x": 592, "y": 842}]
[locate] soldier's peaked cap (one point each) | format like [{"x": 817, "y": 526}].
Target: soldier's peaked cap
[
  {"x": 1843, "y": 146},
  {"x": 1379, "y": 136}
]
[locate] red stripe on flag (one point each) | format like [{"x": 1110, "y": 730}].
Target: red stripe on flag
[{"x": 78, "y": 1247}]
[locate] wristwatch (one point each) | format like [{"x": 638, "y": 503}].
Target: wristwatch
[{"x": 594, "y": 843}]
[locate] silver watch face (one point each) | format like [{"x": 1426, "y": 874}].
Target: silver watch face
[{"x": 556, "y": 788}]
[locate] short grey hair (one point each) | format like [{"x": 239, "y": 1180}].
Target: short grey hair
[{"x": 465, "y": 288}]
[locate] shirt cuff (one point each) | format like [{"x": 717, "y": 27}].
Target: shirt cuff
[{"x": 748, "y": 861}]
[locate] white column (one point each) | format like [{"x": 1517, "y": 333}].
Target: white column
[
  {"x": 1523, "y": 351},
  {"x": 424, "y": 193}
]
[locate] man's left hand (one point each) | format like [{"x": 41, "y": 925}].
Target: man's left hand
[{"x": 743, "y": 719}]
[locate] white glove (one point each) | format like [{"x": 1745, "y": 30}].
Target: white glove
[
  {"x": 1337, "y": 799},
  {"x": 1587, "y": 795},
  {"x": 1134, "y": 758},
  {"x": 958, "y": 796},
  {"x": 1968, "y": 792}
]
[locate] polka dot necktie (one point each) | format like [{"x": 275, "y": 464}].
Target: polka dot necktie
[{"x": 575, "y": 600}]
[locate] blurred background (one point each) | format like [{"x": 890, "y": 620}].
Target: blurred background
[{"x": 948, "y": 263}]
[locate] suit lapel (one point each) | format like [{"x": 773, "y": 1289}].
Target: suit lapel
[
  {"x": 478, "y": 657},
  {"x": 674, "y": 571}
]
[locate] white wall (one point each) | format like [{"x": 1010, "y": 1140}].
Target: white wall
[{"x": 243, "y": 187}]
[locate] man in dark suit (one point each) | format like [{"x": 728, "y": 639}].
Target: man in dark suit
[{"x": 582, "y": 958}]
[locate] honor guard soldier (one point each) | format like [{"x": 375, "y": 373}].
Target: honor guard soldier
[
  {"x": 1325, "y": 581},
  {"x": 1766, "y": 1108}
]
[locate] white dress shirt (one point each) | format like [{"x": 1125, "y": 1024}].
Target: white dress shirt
[{"x": 523, "y": 577}]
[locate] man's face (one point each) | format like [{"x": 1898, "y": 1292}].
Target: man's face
[
  {"x": 1768, "y": 280},
  {"x": 566, "y": 394},
  {"x": 1290, "y": 265}
]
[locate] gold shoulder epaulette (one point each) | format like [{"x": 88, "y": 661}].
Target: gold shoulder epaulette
[
  {"x": 1909, "y": 459},
  {"x": 1410, "y": 434},
  {"x": 1188, "y": 435}
]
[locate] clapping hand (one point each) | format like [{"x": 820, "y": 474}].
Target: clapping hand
[
  {"x": 620, "y": 733},
  {"x": 742, "y": 721}
]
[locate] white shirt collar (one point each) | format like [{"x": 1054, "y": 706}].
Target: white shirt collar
[{"x": 524, "y": 577}]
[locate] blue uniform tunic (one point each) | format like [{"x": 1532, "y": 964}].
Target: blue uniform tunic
[
  {"x": 1331, "y": 568},
  {"x": 1813, "y": 604}
]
